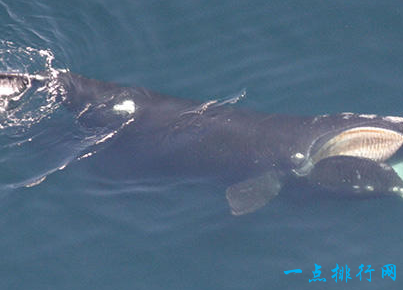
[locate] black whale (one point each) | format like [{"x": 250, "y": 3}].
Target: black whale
[{"x": 253, "y": 153}]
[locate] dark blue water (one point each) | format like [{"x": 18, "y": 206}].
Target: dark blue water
[{"x": 79, "y": 230}]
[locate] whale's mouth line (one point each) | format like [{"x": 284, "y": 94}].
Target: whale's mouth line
[
  {"x": 395, "y": 162},
  {"x": 377, "y": 144}
]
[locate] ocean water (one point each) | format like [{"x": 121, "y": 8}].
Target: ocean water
[{"x": 77, "y": 229}]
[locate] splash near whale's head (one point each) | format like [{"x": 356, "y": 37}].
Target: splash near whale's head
[
  {"x": 366, "y": 159},
  {"x": 12, "y": 87},
  {"x": 38, "y": 128}
]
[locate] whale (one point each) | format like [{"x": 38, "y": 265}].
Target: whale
[{"x": 252, "y": 153}]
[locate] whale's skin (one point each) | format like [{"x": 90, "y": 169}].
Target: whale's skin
[{"x": 252, "y": 153}]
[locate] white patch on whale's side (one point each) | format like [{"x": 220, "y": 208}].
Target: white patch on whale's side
[
  {"x": 369, "y": 188},
  {"x": 367, "y": 116},
  {"x": 393, "y": 119},
  {"x": 347, "y": 115},
  {"x": 318, "y": 118},
  {"x": 127, "y": 106},
  {"x": 299, "y": 155},
  {"x": 398, "y": 190}
]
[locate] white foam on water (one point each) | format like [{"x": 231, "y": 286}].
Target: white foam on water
[{"x": 6, "y": 90}]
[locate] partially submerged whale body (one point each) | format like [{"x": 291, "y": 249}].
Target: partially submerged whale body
[{"x": 251, "y": 152}]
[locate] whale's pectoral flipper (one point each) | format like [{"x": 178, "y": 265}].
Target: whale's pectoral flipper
[
  {"x": 360, "y": 176},
  {"x": 253, "y": 193}
]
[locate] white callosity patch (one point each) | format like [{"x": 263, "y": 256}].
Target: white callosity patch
[
  {"x": 347, "y": 115},
  {"x": 369, "y": 188},
  {"x": 398, "y": 190},
  {"x": 368, "y": 116},
  {"x": 297, "y": 158},
  {"x": 127, "y": 106},
  {"x": 393, "y": 119},
  {"x": 317, "y": 118},
  {"x": 398, "y": 168}
]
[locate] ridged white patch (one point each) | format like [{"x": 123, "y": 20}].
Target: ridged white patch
[{"x": 127, "y": 106}]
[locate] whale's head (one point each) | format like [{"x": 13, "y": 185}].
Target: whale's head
[{"x": 366, "y": 155}]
